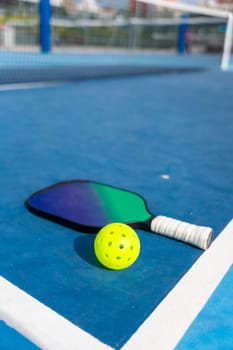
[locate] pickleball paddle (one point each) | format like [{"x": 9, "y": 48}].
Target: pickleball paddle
[{"x": 87, "y": 206}]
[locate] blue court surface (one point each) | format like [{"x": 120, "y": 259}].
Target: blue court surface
[
  {"x": 166, "y": 135},
  {"x": 10, "y": 339}
]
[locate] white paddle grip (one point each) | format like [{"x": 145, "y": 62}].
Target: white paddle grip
[{"x": 200, "y": 236}]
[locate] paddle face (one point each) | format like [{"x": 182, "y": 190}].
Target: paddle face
[{"x": 88, "y": 206}]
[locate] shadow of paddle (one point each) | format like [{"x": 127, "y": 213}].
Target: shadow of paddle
[{"x": 84, "y": 247}]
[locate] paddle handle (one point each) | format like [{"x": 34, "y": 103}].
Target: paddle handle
[{"x": 199, "y": 236}]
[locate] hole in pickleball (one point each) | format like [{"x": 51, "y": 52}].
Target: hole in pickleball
[{"x": 121, "y": 246}]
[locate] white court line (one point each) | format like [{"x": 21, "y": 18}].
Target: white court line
[
  {"x": 43, "y": 326},
  {"x": 165, "y": 327},
  {"x": 161, "y": 331},
  {"x": 25, "y": 86}
]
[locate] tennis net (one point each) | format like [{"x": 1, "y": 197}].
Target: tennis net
[{"x": 82, "y": 41}]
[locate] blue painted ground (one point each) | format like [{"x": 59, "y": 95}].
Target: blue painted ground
[
  {"x": 126, "y": 132},
  {"x": 213, "y": 327},
  {"x": 12, "y": 340}
]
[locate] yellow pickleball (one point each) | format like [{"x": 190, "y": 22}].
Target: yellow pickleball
[{"x": 117, "y": 246}]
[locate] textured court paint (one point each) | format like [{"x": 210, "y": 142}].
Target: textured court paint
[
  {"x": 213, "y": 327},
  {"x": 12, "y": 340},
  {"x": 148, "y": 127}
]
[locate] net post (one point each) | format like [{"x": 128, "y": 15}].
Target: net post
[
  {"x": 197, "y": 9},
  {"x": 45, "y": 30},
  {"x": 182, "y": 35},
  {"x": 227, "y": 43}
]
